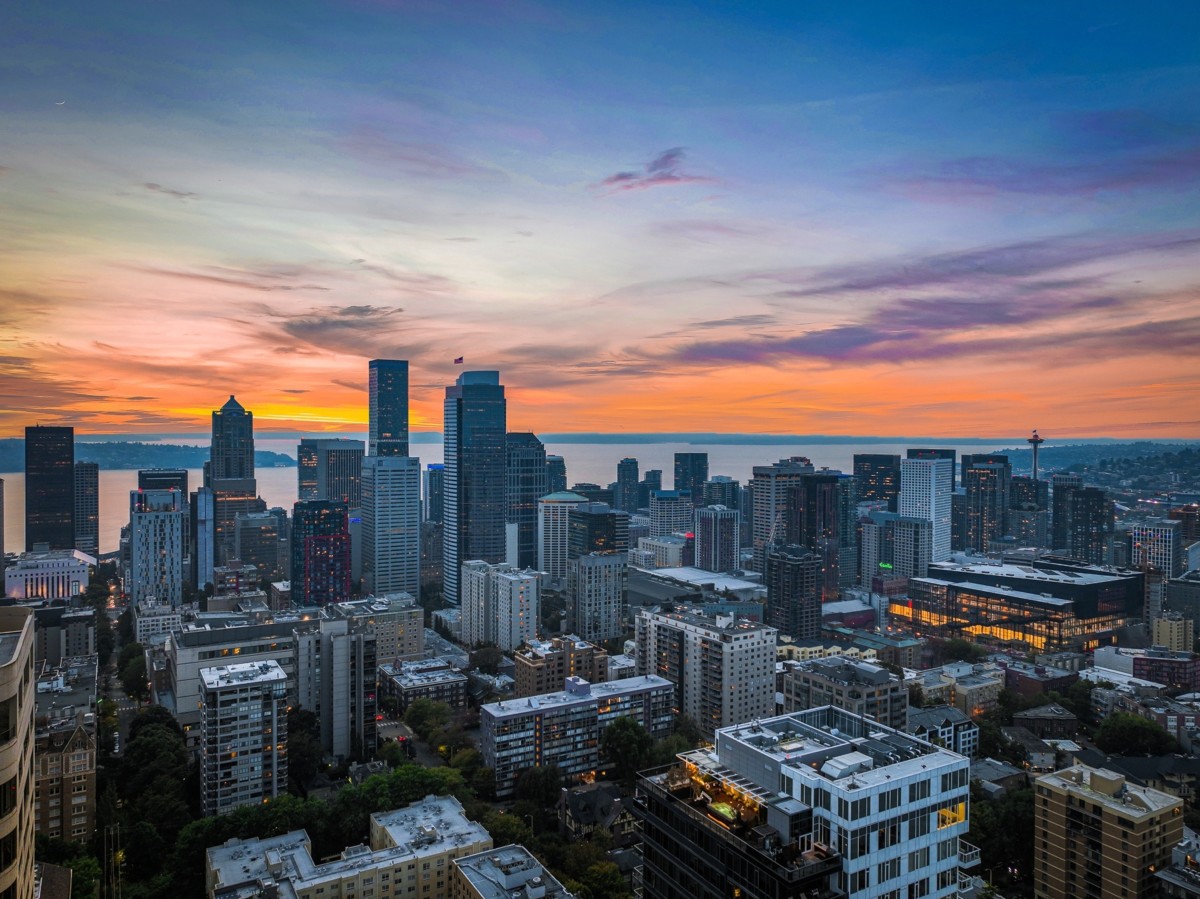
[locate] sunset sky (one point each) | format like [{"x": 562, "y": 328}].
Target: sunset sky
[{"x": 850, "y": 218}]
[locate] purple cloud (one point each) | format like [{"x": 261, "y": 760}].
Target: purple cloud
[
  {"x": 178, "y": 194},
  {"x": 662, "y": 169}
]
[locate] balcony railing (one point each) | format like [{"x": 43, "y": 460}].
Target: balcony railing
[{"x": 968, "y": 855}]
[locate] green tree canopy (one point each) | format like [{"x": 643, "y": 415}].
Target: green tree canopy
[
  {"x": 628, "y": 746},
  {"x": 1127, "y": 734}
]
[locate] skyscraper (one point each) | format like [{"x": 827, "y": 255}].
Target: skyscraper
[
  {"x": 330, "y": 469},
  {"x": 596, "y": 528},
  {"x": 596, "y": 595},
  {"x": 475, "y": 447},
  {"x": 320, "y": 553},
  {"x": 499, "y": 604},
  {"x": 156, "y": 546},
  {"x": 17, "y": 698},
  {"x": 87, "y": 507},
  {"x": 526, "y": 474},
  {"x": 651, "y": 481},
  {"x": 718, "y": 539},
  {"x": 49, "y": 487},
  {"x": 878, "y": 478},
  {"x": 556, "y": 474},
  {"x": 671, "y": 512},
  {"x": 1083, "y": 519},
  {"x": 435, "y": 492},
  {"x": 926, "y": 488},
  {"x": 553, "y": 529},
  {"x": 793, "y": 578},
  {"x": 388, "y": 412},
  {"x": 691, "y": 471},
  {"x": 769, "y": 485},
  {"x": 814, "y": 506},
  {"x": 627, "y": 485},
  {"x": 232, "y": 455},
  {"x": 721, "y": 490},
  {"x": 391, "y": 525},
  {"x": 987, "y": 481}
]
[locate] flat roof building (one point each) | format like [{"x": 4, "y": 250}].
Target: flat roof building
[{"x": 504, "y": 873}]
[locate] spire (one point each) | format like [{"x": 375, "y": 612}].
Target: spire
[{"x": 232, "y": 406}]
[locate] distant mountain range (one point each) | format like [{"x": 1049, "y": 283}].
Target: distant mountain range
[{"x": 136, "y": 455}]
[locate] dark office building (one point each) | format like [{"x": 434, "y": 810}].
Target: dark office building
[
  {"x": 651, "y": 481},
  {"x": 49, "y": 487},
  {"x": 475, "y": 419},
  {"x": 878, "y": 478},
  {"x": 388, "y": 407},
  {"x": 986, "y": 481},
  {"x": 627, "y": 485},
  {"x": 594, "y": 493},
  {"x": 691, "y": 471},
  {"x": 87, "y": 507},
  {"x": 819, "y": 516},
  {"x": 794, "y": 577},
  {"x": 320, "y": 553},
  {"x": 435, "y": 492},
  {"x": 722, "y": 490},
  {"x": 1026, "y": 493},
  {"x": 596, "y": 528},
  {"x": 556, "y": 474},
  {"x": 163, "y": 479},
  {"x": 526, "y": 474},
  {"x": 232, "y": 454},
  {"x": 1083, "y": 520}
]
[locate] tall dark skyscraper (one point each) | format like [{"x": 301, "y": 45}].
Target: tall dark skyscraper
[
  {"x": 691, "y": 471},
  {"x": 793, "y": 577},
  {"x": 475, "y": 420},
  {"x": 50, "y": 487},
  {"x": 526, "y": 475},
  {"x": 819, "y": 518},
  {"x": 627, "y": 485},
  {"x": 87, "y": 507},
  {"x": 435, "y": 492},
  {"x": 163, "y": 479},
  {"x": 232, "y": 454},
  {"x": 320, "y": 553},
  {"x": 388, "y": 412},
  {"x": 722, "y": 490},
  {"x": 878, "y": 478},
  {"x": 651, "y": 481},
  {"x": 987, "y": 481},
  {"x": 596, "y": 528},
  {"x": 556, "y": 474},
  {"x": 330, "y": 469},
  {"x": 1083, "y": 519}
]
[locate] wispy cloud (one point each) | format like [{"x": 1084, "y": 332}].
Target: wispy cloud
[
  {"x": 664, "y": 169},
  {"x": 170, "y": 192}
]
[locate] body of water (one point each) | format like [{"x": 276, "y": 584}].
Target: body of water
[{"x": 586, "y": 462}]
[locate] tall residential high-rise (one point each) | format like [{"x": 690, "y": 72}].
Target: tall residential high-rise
[
  {"x": 87, "y": 507},
  {"x": 320, "y": 553},
  {"x": 232, "y": 497},
  {"x": 723, "y": 670},
  {"x": 722, "y": 490},
  {"x": 769, "y": 485},
  {"x": 793, "y": 578},
  {"x": 49, "y": 487},
  {"x": 243, "y": 735},
  {"x": 17, "y": 698},
  {"x": 878, "y": 478},
  {"x": 263, "y": 539},
  {"x": 1029, "y": 511},
  {"x": 434, "y": 506},
  {"x": 596, "y": 528},
  {"x": 475, "y": 449},
  {"x": 895, "y": 547},
  {"x": 718, "y": 539},
  {"x": 556, "y": 474},
  {"x": 232, "y": 454},
  {"x": 626, "y": 499},
  {"x": 1082, "y": 520},
  {"x": 553, "y": 530},
  {"x": 388, "y": 407},
  {"x": 330, "y": 469},
  {"x": 1098, "y": 835},
  {"x": 391, "y": 525},
  {"x": 814, "y": 507},
  {"x": 526, "y": 474},
  {"x": 202, "y": 523},
  {"x": 596, "y": 595},
  {"x": 926, "y": 490},
  {"x": 691, "y": 471},
  {"x": 156, "y": 547},
  {"x": 1157, "y": 543},
  {"x": 987, "y": 481},
  {"x": 671, "y": 512},
  {"x": 500, "y": 604}
]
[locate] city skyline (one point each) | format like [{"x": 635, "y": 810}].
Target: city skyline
[{"x": 877, "y": 220}]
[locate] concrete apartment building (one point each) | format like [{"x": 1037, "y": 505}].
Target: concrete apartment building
[
  {"x": 723, "y": 669},
  {"x": 504, "y": 873},
  {"x": 854, "y": 686},
  {"x": 411, "y": 853},
  {"x": 564, "y": 728},
  {"x": 243, "y": 735},
  {"x": 543, "y": 666},
  {"x": 16, "y": 751},
  {"x": 820, "y": 803},
  {"x": 1098, "y": 837},
  {"x": 434, "y": 679},
  {"x": 64, "y": 750}
]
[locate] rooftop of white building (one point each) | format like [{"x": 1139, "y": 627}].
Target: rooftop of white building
[
  {"x": 507, "y": 872},
  {"x": 578, "y": 692},
  {"x": 242, "y": 673}
]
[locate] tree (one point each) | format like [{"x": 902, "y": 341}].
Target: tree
[
  {"x": 603, "y": 880},
  {"x": 1126, "y": 734},
  {"x": 627, "y": 745},
  {"x": 133, "y": 678},
  {"x": 689, "y": 730},
  {"x": 487, "y": 659},
  {"x": 424, "y": 715},
  {"x": 540, "y": 785}
]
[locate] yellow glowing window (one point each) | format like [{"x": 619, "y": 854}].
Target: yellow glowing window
[{"x": 956, "y": 814}]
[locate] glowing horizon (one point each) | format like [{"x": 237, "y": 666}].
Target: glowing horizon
[{"x": 682, "y": 218}]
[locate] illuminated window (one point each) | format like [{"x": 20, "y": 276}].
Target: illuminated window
[{"x": 956, "y": 814}]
